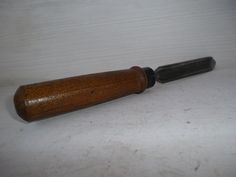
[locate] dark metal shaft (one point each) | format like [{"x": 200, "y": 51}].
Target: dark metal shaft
[{"x": 184, "y": 69}]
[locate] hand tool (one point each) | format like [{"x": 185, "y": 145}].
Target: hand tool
[{"x": 45, "y": 99}]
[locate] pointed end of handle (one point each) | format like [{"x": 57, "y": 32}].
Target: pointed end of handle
[{"x": 180, "y": 70}]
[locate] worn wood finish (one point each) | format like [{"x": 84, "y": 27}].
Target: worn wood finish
[{"x": 45, "y": 99}]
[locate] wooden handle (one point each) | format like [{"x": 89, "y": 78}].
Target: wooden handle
[{"x": 42, "y": 100}]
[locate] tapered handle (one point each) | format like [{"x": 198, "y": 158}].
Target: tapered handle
[{"x": 45, "y": 99}]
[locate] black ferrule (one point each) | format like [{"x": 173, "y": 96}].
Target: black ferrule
[{"x": 150, "y": 76}]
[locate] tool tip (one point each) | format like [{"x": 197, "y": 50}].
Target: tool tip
[
  {"x": 176, "y": 71},
  {"x": 212, "y": 63}
]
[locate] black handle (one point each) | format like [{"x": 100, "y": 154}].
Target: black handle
[{"x": 184, "y": 69}]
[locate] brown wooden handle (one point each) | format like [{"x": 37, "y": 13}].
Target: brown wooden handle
[{"x": 41, "y": 100}]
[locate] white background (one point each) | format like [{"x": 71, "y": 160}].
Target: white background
[{"x": 182, "y": 128}]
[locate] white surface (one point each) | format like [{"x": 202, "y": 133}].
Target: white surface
[{"x": 183, "y": 128}]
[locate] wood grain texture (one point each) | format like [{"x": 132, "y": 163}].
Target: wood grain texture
[{"x": 45, "y": 99}]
